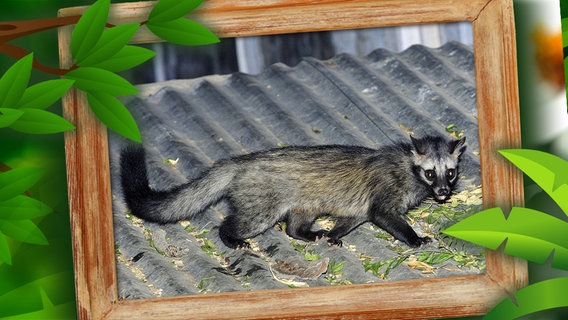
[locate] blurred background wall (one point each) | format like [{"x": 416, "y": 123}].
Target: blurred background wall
[{"x": 252, "y": 54}]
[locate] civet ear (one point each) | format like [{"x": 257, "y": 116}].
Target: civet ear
[
  {"x": 457, "y": 147},
  {"x": 418, "y": 145}
]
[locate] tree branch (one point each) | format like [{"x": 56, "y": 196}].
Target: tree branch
[
  {"x": 18, "y": 53},
  {"x": 17, "y": 29}
]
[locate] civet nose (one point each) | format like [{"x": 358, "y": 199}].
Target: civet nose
[{"x": 443, "y": 192}]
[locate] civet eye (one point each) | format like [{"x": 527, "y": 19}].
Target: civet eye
[
  {"x": 430, "y": 174},
  {"x": 451, "y": 173}
]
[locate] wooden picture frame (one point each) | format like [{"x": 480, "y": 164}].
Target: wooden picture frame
[{"x": 498, "y": 115}]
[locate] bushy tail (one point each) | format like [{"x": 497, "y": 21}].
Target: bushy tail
[{"x": 178, "y": 203}]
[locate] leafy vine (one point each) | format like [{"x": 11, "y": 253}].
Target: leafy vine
[{"x": 99, "y": 50}]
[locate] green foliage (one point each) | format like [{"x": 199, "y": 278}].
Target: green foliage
[
  {"x": 22, "y": 207},
  {"x": 434, "y": 258},
  {"x": 14, "y": 82},
  {"x": 5, "y": 250},
  {"x": 37, "y": 121},
  {"x": 548, "y": 171},
  {"x": 527, "y": 233},
  {"x": 189, "y": 228},
  {"x": 16, "y": 210},
  {"x": 95, "y": 45},
  {"x": 99, "y": 80},
  {"x": 23, "y": 230},
  {"x": 167, "y": 22},
  {"x": 334, "y": 273},
  {"x": 102, "y": 86},
  {"x": 564, "y": 22},
  {"x": 44, "y": 94},
  {"x": 335, "y": 268},
  {"x": 89, "y": 29},
  {"x": 101, "y": 52},
  {"x": 15, "y": 182},
  {"x": 383, "y": 235},
  {"x": 98, "y": 52},
  {"x": 114, "y": 114},
  {"x": 530, "y": 234},
  {"x": 450, "y": 253},
  {"x": 209, "y": 247},
  {"x": 21, "y": 108},
  {"x": 168, "y": 10},
  {"x": 206, "y": 245},
  {"x": 183, "y": 31},
  {"x": 564, "y": 9},
  {"x": 310, "y": 256},
  {"x": 9, "y": 116},
  {"x": 375, "y": 267},
  {"x": 127, "y": 58},
  {"x": 201, "y": 234},
  {"x": 454, "y": 131},
  {"x": 298, "y": 246},
  {"x": 202, "y": 284},
  {"x": 540, "y": 296},
  {"x": 111, "y": 41}
]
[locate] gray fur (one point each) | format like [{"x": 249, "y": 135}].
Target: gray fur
[{"x": 300, "y": 184}]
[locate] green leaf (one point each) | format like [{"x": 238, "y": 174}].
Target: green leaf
[
  {"x": 530, "y": 234},
  {"x": 183, "y": 31},
  {"x": 168, "y": 10},
  {"x": 564, "y": 31},
  {"x": 5, "y": 255},
  {"x": 22, "y": 207},
  {"x": 114, "y": 115},
  {"x": 89, "y": 29},
  {"x": 9, "y": 116},
  {"x": 548, "y": 171},
  {"x": 111, "y": 41},
  {"x": 99, "y": 80},
  {"x": 14, "y": 82},
  {"x": 37, "y": 121},
  {"x": 128, "y": 57},
  {"x": 563, "y": 9},
  {"x": 45, "y": 289},
  {"x": 23, "y": 230},
  {"x": 16, "y": 181},
  {"x": 540, "y": 296},
  {"x": 44, "y": 94}
]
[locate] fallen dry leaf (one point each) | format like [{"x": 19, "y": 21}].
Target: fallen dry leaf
[{"x": 413, "y": 263}]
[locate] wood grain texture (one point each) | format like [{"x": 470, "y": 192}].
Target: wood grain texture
[
  {"x": 89, "y": 181},
  {"x": 90, "y": 206},
  {"x": 227, "y": 18},
  {"x": 427, "y": 298},
  {"x": 499, "y": 125}
]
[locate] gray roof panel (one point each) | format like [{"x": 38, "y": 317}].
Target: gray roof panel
[{"x": 370, "y": 101}]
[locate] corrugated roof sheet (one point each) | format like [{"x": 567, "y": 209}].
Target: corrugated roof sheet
[{"x": 370, "y": 101}]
